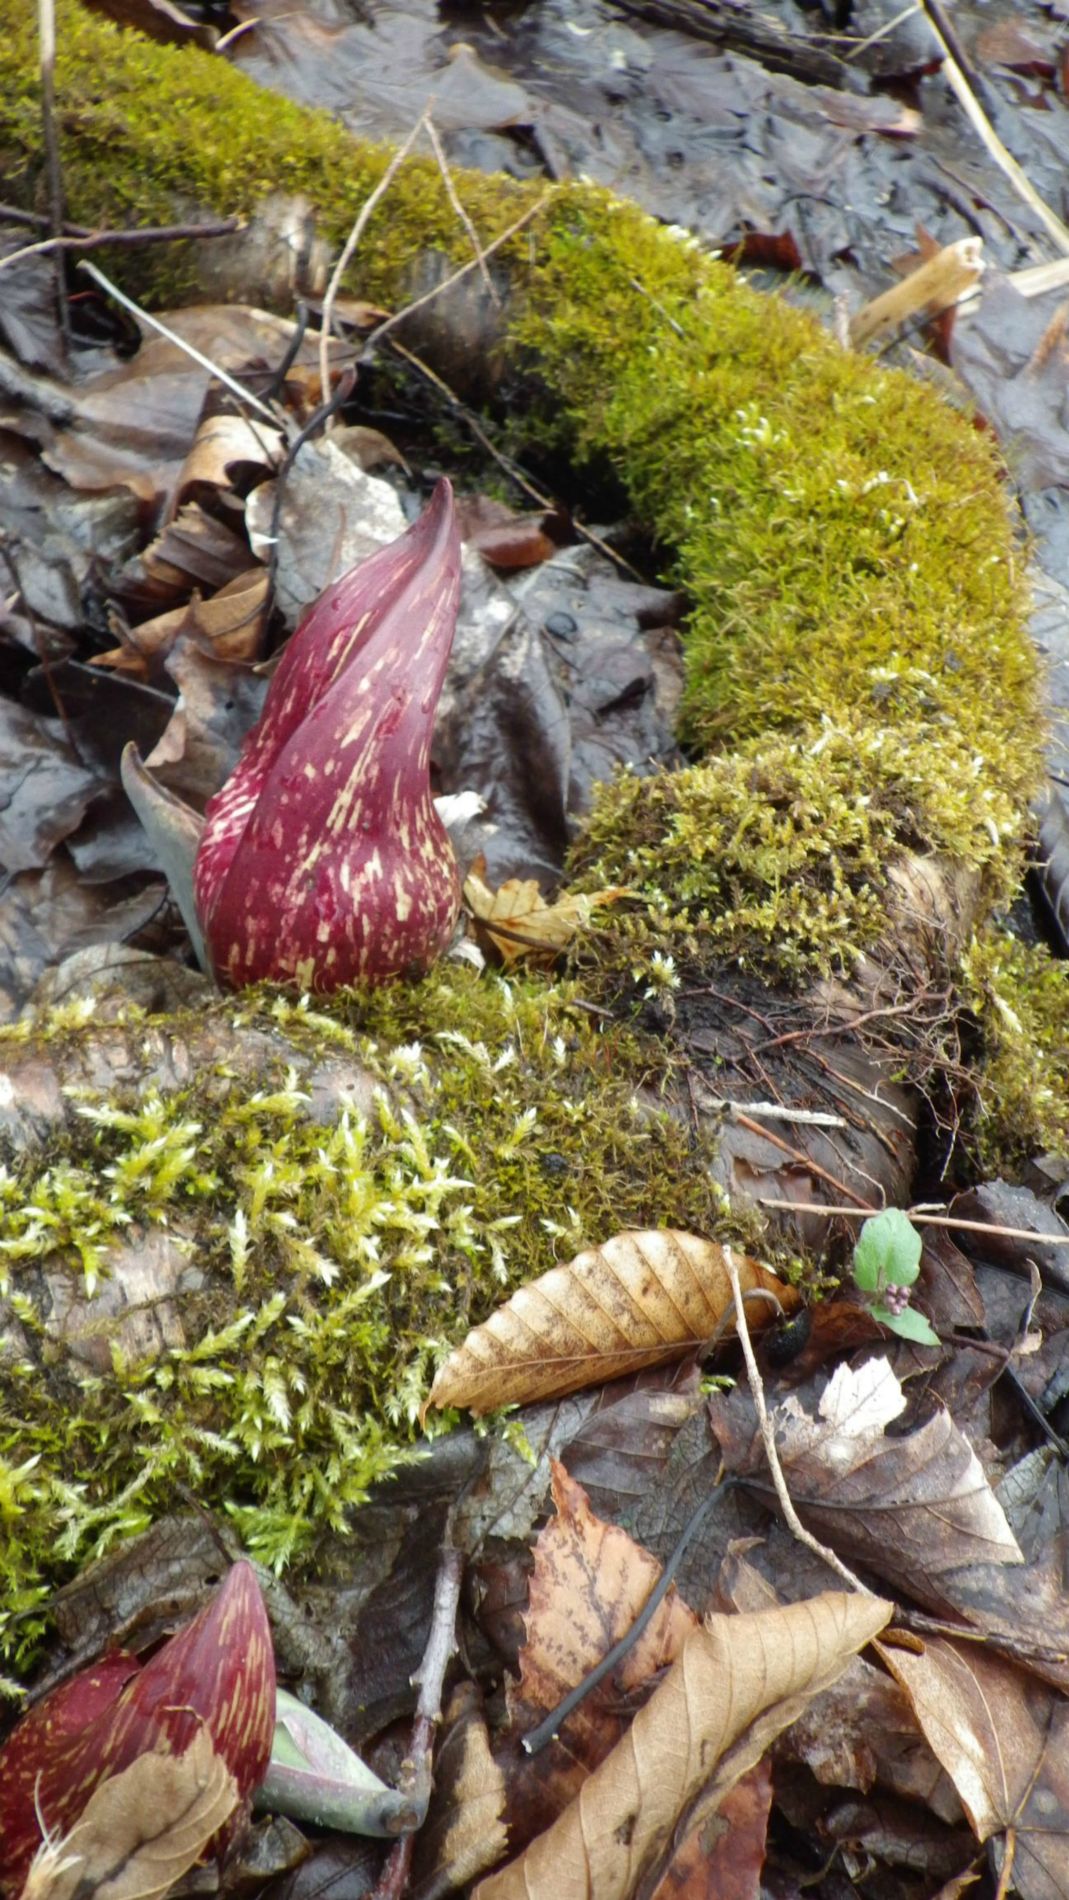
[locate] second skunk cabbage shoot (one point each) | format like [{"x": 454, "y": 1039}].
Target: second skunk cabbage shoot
[
  {"x": 216, "y": 1675},
  {"x": 323, "y": 861}
]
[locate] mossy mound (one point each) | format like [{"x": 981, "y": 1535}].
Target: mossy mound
[
  {"x": 328, "y": 1264},
  {"x": 841, "y": 532},
  {"x": 776, "y": 856},
  {"x": 1019, "y": 996}
]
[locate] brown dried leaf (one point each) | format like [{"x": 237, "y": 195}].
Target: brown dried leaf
[
  {"x": 739, "y": 1682},
  {"x": 1003, "y": 1738},
  {"x": 917, "y": 1508},
  {"x": 589, "y": 1582},
  {"x": 721, "y": 1858},
  {"x": 464, "y": 1832},
  {"x": 639, "y": 1300},
  {"x": 520, "y": 924},
  {"x": 226, "y": 448},
  {"x": 141, "y": 1830},
  {"x": 230, "y": 626}
]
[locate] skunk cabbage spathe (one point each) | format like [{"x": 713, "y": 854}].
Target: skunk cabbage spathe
[
  {"x": 323, "y": 861},
  {"x": 217, "y": 1673}
]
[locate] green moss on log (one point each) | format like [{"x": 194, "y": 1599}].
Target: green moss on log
[
  {"x": 1019, "y": 997},
  {"x": 328, "y": 1265},
  {"x": 841, "y": 532}
]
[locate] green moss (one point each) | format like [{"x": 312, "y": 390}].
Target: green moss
[
  {"x": 1019, "y": 996},
  {"x": 334, "y": 1263},
  {"x": 776, "y": 857}
]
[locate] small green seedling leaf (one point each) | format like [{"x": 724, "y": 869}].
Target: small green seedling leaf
[
  {"x": 888, "y": 1252},
  {"x": 908, "y": 1324}
]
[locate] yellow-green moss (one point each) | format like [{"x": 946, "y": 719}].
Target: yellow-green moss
[
  {"x": 1019, "y": 996},
  {"x": 776, "y": 855},
  {"x": 337, "y": 1261}
]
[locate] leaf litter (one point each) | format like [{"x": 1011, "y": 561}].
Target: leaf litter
[{"x": 150, "y": 521}]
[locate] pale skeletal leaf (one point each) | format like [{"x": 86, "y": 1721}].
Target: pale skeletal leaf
[
  {"x": 739, "y": 1682},
  {"x": 141, "y": 1830},
  {"x": 639, "y": 1300}
]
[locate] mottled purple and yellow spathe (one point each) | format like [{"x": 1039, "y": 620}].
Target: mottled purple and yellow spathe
[
  {"x": 323, "y": 861},
  {"x": 217, "y": 1673}
]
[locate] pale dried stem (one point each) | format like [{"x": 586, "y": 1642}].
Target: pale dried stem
[
  {"x": 937, "y": 284},
  {"x": 454, "y": 198},
  {"x": 349, "y": 248},
  {"x": 1004, "y": 159},
  {"x": 768, "y": 1439},
  {"x": 463, "y": 270},
  {"x": 46, "y": 28},
  {"x": 919, "y": 1220},
  {"x": 143, "y": 316}
]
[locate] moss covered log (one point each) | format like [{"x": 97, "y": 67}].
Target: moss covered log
[
  {"x": 860, "y": 688},
  {"x": 842, "y": 534}
]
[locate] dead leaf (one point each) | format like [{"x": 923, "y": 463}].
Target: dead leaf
[
  {"x": 226, "y": 449},
  {"x": 917, "y": 1509},
  {"x": 520, "y": 924},
  {"x": 721, "y": 1858},
  {"x": 590, "y": 1581},
  {"x": 739, "y": 1682},
  {"x": 141, "y": 1831},
  {"x": 464, "y": 1832},
  {"x": 230, "y": 626},
  {"x": 1003, "y": 1738},
  {"x": 639, "y": 1300}
]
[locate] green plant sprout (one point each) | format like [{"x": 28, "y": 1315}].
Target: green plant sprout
[{"x": 887, "y": 1256}]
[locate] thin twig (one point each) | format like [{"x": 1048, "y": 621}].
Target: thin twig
[
  {"x": 551, "y": 1724},
  {"x": 107, "y": 240},
  {"x": 46, "y": 22},
  {"x": 415, "y": 1780},
  {"x": 462, "y": 270},
  {"x": 454, "y": 199},
  {"x": 172, "y": 336},
  {"x": 857, "y": 47},
  {"x": 804, "y": 1160},
  {"x": 919, "y": 1220},
  {"x": 981, "y": 124},
  {"x": 349, "y": 248},
  {"x": 768, "y": 1439},
  {"x": 511, "y": 468}
]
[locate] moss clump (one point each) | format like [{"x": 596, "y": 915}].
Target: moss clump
[
  {"x": 776, "y": 856},
  {"x": 1019, "y": 996},
  {"x": 329, "y": 1264}
]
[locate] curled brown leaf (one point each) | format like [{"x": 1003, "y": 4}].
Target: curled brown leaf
[{"x": 639, "y": 1300}]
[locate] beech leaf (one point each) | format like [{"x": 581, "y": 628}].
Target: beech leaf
[
  {"x": 738, "y": 1683},
  {"x": 519, "y": 922},
  {"x": 639, "y": 1300},
  {"x": 141, "y": 1830}
]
